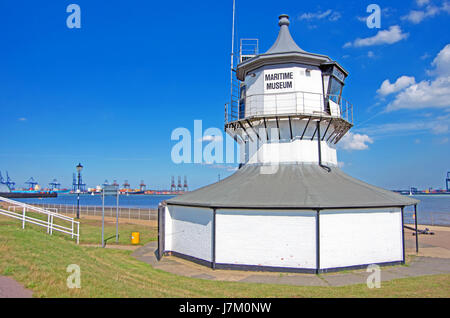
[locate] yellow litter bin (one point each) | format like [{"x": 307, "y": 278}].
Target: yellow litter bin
[{"x": 135, "y": 238}]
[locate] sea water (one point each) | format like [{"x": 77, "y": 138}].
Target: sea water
[
  {"x": 129, "y": 201},
  {"x": 432, "y": 209}
]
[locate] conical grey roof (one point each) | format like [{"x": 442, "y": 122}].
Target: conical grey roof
[
  {"x": 302, "y": 186},
  {"x": 284, "y": 42},
  {"x": 284, "y": 50}
]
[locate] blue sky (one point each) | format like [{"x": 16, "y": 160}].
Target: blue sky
[{"x": 110, "y": 94}]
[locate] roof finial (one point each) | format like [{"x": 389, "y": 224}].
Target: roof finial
[
  {"x": 283, "y": 20},
  {"x": 284, "y": 42}
]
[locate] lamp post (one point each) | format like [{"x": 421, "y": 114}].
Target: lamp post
[{"x": 79, "y": 168}]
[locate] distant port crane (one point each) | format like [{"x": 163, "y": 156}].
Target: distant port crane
[
  {"x": 447, "y": 181},
  {"x": 179, "y": 186},
  {"x": 115, "y": 183},
  {"x": 185, "y": 186},
  {"x": 32, "y": 183},
  {"x": 106, "y": 183},
  {"x": 126, "y": 185},
  {"x": 75, "y": 184},
  {"x": 2, "y": 181},
  {"x": 173, "y": 187},
  {"x": 54, "y": 184},
  {"x": 9, "y": 182},
  {"x": 142, "y": 186}
]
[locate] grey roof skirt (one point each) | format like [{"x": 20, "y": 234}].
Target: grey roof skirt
[{"x": 291, "y": 186}]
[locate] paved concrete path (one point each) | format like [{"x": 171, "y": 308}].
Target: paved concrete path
[
  {"x": 433, "y": 258},
  {"x": 9, "y": 288}
]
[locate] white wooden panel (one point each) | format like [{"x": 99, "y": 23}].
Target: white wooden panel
[
  {"x": 349, "y": 238},
  {"x": 335, "y": 109},
  {"x": 266, "y": 238},
  {"x": 167, "y": 229},
  {"x": 188, "y": 231}
]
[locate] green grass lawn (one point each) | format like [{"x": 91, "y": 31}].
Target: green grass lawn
[
  {"x": 91, "y": 230},
  {"x": 39, "y": 261}
]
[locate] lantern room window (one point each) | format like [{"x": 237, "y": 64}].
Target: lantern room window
[
  {"x": 335, "y": 90},
  {"x": 333, "y": 82}
]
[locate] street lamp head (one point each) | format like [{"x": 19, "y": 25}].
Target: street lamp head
[{"x": 79, "y": 167}]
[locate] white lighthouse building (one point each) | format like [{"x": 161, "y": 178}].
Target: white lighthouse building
[{"x": 289, "y": 207}]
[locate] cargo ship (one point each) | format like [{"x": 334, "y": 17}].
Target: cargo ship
[
  {"x": 429, "y": 191},
  {"x": 422, "y": 192},
  {"x": 138, "y": 192},
  {"x": 6, "y": 192}
]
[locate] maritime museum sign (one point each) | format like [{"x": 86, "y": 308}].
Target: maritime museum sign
[{"x": 277, "y": 80}]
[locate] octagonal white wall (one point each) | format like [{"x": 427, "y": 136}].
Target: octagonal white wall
[
  {"x": 188, "y": 231},
  {"x": 266, "y": 238},
  {"x": 285, "y": 239},
  {"x": 358, "y": 237}
]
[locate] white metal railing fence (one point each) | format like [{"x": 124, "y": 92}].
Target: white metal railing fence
[
  {"x": 14, "y": 207},
  {"x": 297, "y": 102},
  {"x": 49, "y": 223},
  {"x": 130, "y": 213}
]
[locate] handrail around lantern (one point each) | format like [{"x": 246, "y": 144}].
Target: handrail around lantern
[{"x": 297, "y": 102}]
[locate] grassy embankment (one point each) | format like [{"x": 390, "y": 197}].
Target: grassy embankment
[
  {"x": 91, "y": 229},
  {"x": 39, "y": 261}
]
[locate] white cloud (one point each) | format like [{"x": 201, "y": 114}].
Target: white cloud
[
  {"x": 414, "y": 16},
  {"x": 425, "y": 94},
  {"x": 402, "y": 82},
  {"x": 437, "y": 126},
  {"x": 421, "y": 3},
  {"x": 434, "y": 93},
  {"x": 329, "y": 14},
  {"x": 441, "y": 62},
  {"x": 425, "y": 56},
  {"x": 417, "y": 16},
  {"x": 334, "y": 16},
  {"x": 22, "y": 119},
  {"x": 353, "y": 141},
  {"x": 430, "y": 11},
  {"x": 446, "y": 7},
  {"x": 391, "y": 36},
  {"x": 370, "y": 54}
]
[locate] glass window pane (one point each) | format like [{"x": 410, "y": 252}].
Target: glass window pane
[{"x": 335, "y": 87}]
